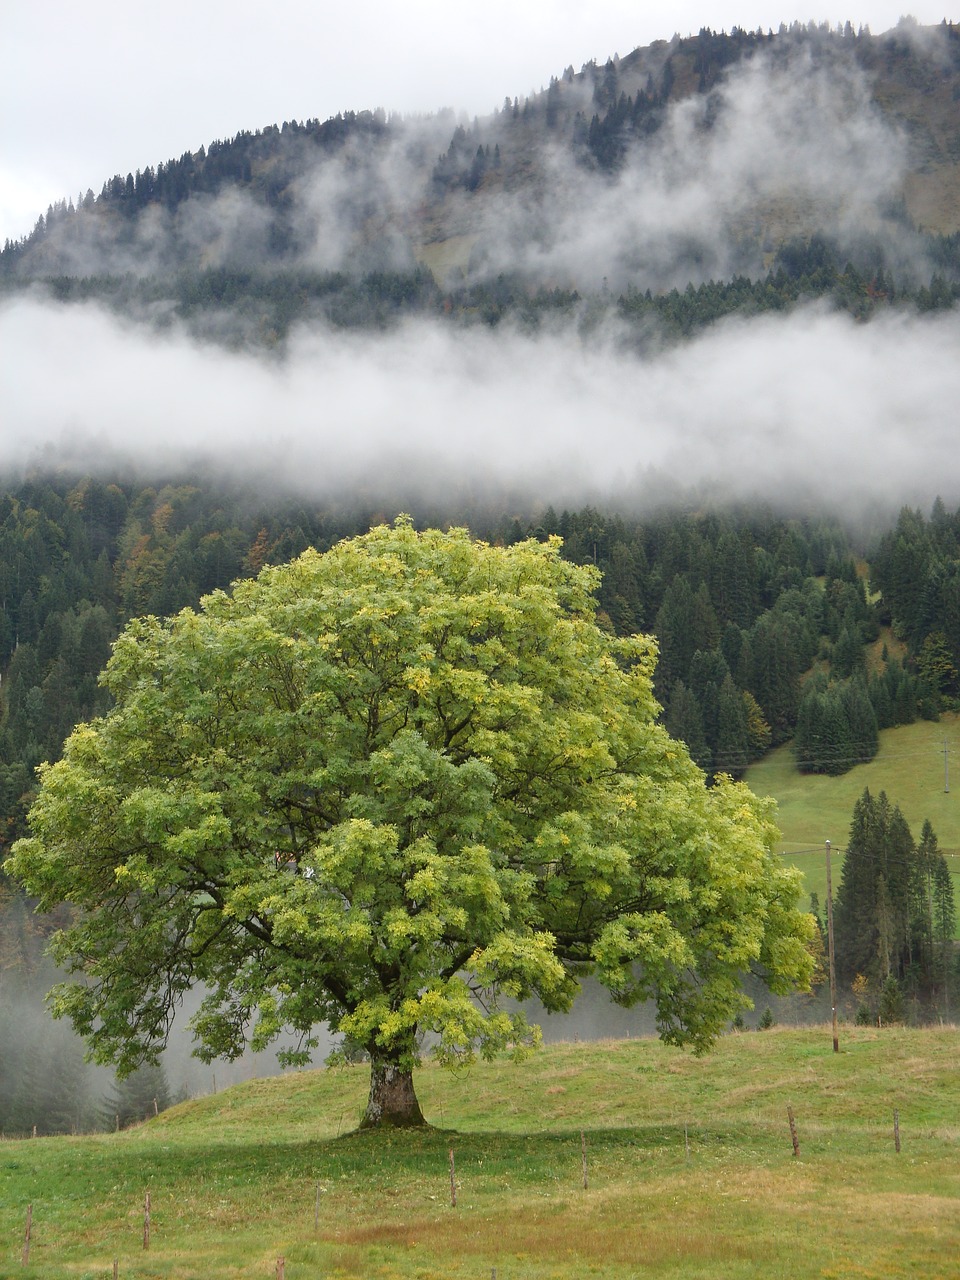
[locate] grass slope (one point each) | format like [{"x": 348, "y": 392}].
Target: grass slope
[
  {"x": 909, "y": 766},
  {"x": 236, "y": 1179}
]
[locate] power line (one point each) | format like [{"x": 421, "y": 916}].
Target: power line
[
  {"x": 877, "y": 758},
  {"x": 887, "y": 755}
]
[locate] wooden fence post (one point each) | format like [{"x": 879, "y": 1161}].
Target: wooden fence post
[
  {"x": 146, "y": 1221},
  {"x": 583, "y": 1157},
  {"x": 26, "y": 1235},
  {"x": 896, "y": 1130},
  {"x": 793, "y": 1132},
  {"x": 453, "y": 1181}
]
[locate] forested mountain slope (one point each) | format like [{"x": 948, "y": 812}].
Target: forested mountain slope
[{"x": 782, "y": 165}]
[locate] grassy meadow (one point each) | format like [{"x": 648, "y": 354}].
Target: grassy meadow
[
  {"x": 690, "y": 1171},
  {"x": 909, "y": 766}
]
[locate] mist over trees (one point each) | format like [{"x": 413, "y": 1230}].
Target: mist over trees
[{"x": 686, "y": 182}]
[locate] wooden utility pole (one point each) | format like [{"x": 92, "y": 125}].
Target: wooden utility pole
[{"x": 830, "y": 952}]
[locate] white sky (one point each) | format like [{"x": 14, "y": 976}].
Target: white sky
[{"x": 89, "y": 90}]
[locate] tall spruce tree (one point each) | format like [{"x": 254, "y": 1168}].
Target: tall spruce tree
[
  {"x": 874, "y": 896},
  {"x": 855, "y": 914},
  {"x": 944, "y": 927}
]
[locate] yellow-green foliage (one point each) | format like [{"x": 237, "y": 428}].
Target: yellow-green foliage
[{"x": 366, "y": 778}]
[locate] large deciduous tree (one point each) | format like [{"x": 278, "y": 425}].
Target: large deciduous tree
[{"x": 393, "y": 788}]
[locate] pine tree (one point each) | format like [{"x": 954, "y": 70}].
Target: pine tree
[
  {"x": 684, "y": 721},
  {"x": 855, "y": 923},
  {"x": 921, "y": 908},
  {"x": 731, "y": 751},
  {"x": 139, "y": 1096},
  {"x": 944, "y": 923},
  {"x": 861, "y": 719}
]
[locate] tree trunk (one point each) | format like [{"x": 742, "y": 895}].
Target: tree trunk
[{"x": 393, "y": 1099}]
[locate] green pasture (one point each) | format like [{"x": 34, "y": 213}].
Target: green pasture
[
  {"x": 909, "y": 766},
  {"x": 690, "y": 1171}
]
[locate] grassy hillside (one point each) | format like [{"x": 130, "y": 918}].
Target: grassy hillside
[
  {"x": 259, "y": 1172},
  {"x": 909, "y": 767}
]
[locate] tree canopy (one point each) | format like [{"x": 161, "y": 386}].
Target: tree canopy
[{"x": 397, "y": 788}]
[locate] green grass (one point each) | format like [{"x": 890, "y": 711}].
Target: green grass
[
  {"x": 233, "y": 1178},
  {"x": 909, "y": 766}
]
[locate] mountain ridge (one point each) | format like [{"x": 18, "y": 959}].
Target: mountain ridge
[{"x": 516, "y": 189}]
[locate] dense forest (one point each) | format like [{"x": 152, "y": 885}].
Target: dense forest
[
  {"x": 769, "y": 628},
  {"x": 242, "y": 306}
]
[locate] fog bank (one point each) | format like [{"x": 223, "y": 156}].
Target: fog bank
[{"x": 811, "y": 406}]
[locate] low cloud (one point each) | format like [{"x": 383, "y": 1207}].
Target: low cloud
[
  {"x": 779, "y": 148},
  {"x": 809, "y": 407}
]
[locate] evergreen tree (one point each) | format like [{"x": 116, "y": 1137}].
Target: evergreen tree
[
  {"x": 775, "y": 680},
  {"x": 732, "y": 749},
  {"x": 944, "y": 925},
  {"x": 885, "y": 911},
  {"x": 140, "y": 1095},
  {"x": 734, "y": 580},
  {"x": 855, "y": 923},
  {"x": 921, "y": 908},
  {"x": 891, "y": 1009},
  {"x": 847, "y": 655},
  {"x": 862, "y": 732},
  {"x": 684, "y": 722}
]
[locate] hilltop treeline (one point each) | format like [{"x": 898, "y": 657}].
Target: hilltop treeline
[{"x": 598, "y": 113}]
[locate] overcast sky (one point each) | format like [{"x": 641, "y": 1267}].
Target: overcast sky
[{"x": 89, "y": 90}]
